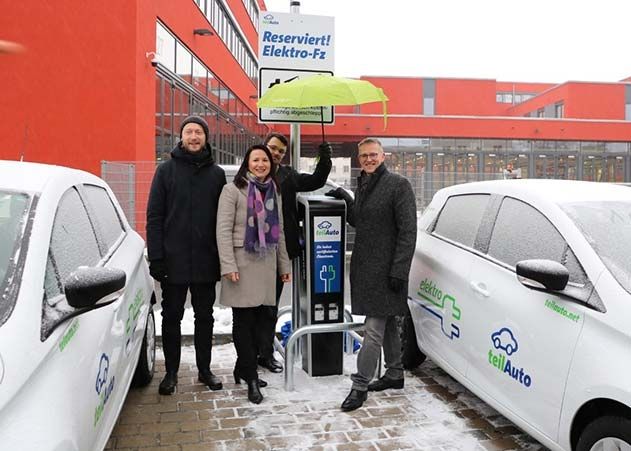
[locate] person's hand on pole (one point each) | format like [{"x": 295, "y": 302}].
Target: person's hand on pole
[{"x": 325, "y": 150}]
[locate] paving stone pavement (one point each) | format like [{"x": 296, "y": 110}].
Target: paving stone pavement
[{"x": 433, "y": 412}]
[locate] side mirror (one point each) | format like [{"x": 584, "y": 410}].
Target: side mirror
[
  {"x": 542, "y": 274},
  {"x": 89, "y": 287}
]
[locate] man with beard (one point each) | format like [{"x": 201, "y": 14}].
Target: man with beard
[{"x": 182, "y": 246}]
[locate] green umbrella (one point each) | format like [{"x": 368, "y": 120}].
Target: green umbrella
[{"x": 322, "y": 90}]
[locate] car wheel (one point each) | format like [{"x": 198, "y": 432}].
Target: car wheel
[
  {"x": 509, "y": 349},
  {"x": 147, "y": 359},
  {"x": 411, "y": 355},
  {"x": 605, "y": 433},
  {"x": 496, "y": 343}
]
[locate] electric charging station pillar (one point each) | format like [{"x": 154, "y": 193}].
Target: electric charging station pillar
[{"x": 323, "y": 221}]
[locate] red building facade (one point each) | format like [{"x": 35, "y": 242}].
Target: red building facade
[{"x": 113, "y": 81}]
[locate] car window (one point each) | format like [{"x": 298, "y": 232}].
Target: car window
[
  {"x": 108, "y": 224},
  {"x": 72, "y": 244},
  {"x": 14, "y": 208},
  {"x": 521, "y": 232},
  {"x": 606, "y": 226},
  {"x": 460, "y": 218}
]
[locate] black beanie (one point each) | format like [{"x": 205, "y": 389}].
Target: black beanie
[{"x": 195, "y": 120}]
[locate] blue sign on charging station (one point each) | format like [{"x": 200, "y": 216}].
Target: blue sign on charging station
[{"x": 327, "y": 254}]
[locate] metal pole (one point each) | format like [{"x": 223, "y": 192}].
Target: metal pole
[
  {"x": 311, "y": 329},
  {"x": 294, "y": 148}
]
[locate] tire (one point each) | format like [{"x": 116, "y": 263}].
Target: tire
[
  {"x": 147, "y": 359},
  {"x": 608, "y": 430},
  {"x": 411, "y": 355}
]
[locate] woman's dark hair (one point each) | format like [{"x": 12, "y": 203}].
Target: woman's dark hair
[
  {"x": 282, "y": 138},
  {"x": 240, "y": 179}
]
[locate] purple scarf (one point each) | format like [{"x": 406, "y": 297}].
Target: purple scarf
[{"x": 262, "y": 228}]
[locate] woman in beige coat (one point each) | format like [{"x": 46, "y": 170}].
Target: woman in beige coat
[{"x": 252, "y": 251}]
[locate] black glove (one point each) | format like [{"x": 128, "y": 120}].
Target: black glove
[
  {"x": 339, "y": 193},
  {"x": 325, "y": 150},
  {"x": 396, "y": 284},
  {"x": 158, "y": 270}
]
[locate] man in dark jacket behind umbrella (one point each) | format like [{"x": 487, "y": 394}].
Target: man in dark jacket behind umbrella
[
  {"x": 182, "y": 246},
  {"x": 384, "y": 216},
  {"x": 291, "y": 182}
]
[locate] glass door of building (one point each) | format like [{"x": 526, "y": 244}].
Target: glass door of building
[
  {"x": 554, "y": 165},
  {"x": 603, "y": 168}
]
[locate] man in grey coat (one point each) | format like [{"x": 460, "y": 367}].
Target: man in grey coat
[{"x": 384, "y": 216}]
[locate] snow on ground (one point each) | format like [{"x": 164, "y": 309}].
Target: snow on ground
[{"x": 432, "y": 404}]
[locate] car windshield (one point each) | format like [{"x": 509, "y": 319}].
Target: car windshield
[
  {"x": 607, "y": 228},
  {"x": 13, "y": 218}
]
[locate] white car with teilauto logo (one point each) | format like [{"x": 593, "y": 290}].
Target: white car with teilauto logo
[
  {"x": 76, "y": 323},
  {"x": 521, "y": 290}
]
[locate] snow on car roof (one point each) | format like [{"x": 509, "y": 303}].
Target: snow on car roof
[
  {"x": 33, "y": 177},
  {"x": 557, "y": 191}
]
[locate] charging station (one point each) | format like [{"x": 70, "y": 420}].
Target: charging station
[{"x": 323, "y": 224}]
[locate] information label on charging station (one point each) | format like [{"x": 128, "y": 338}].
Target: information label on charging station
[{"x": 327, "y": 255}]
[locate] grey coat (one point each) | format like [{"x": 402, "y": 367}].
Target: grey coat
[
  {"x": 384, "y": 217},
  {"x": 257, "y": 275}
]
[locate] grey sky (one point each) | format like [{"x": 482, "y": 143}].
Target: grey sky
[{"x": 509, "y": 40}]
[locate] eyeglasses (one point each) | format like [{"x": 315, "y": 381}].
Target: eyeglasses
[
  {"x": 365, "y": 156},
  {"x": 280, "y": 150}
]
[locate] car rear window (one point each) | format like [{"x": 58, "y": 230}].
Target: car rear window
[
  {"x": 14, "y": 209},
  {"x": 460, "y": 218}
]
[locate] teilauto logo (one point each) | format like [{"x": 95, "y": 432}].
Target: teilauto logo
[
  {"x": 506, "y": 344},
  {"x": 447, "y": 312},
  {"x": 324, "y": 229},
  {"x": 103, "y": 389},
  {"x": 268, "y": 19}
]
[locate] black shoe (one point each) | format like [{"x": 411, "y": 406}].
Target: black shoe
[
  {"x": 168, "y": 384},
  {"x": 238, "y": 379},
  {"x": 354, "y": 400},
  {"x": 384, "y": 383},
  {"x": 206, "y": 377},
  {"x": 271, "y": 364},
  {"x": 254, "y": 391}
]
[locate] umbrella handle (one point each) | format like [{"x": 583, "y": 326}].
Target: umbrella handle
[{"x": 322, "y": 120}]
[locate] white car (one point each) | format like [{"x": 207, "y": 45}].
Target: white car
[
  {"x": 521, "y": 290},
  {"x": 76, "y": 323}
]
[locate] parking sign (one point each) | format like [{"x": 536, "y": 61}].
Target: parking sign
[{"x": 293, "y": 46}]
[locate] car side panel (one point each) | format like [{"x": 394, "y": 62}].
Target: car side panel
[
  {"x": 125, "y": 333},
  {"x": 438, "y": 280},
  {"x": 602, "y": 360},
  {"x": 522, "y": 347}
]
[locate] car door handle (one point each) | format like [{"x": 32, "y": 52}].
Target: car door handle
[{"x": 479, "y": 288}]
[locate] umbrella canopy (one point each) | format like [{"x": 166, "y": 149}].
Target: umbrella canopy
[{"x": 320, "y": 91}]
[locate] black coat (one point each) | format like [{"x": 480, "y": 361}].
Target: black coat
[
  {"x": 384, "y": 216},
  {"x": 182, "y": 216},
  {"x": 291, "y": 182}
]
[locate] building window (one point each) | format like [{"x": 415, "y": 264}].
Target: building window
[
  {"x": 559, "y": 110},
  {"x": 540, "y": 112},
  {"x": 221, "y": 20},
  {"x": 627, "y": 103},
  {"x": 429, "y": 96}
]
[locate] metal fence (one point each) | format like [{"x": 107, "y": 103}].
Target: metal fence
[{"x": 131, "y": 181}]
